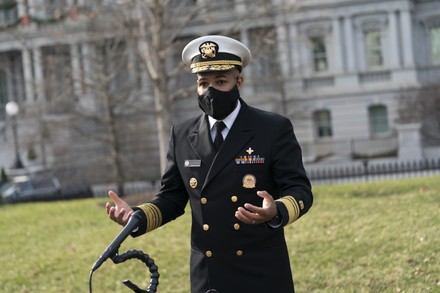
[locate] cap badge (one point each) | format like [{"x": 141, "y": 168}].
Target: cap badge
[
  {"x": 208, "y": 50},
  {"x": 249, "y": 181}
]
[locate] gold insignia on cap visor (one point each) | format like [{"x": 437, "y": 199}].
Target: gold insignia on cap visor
[
  {"x": 208, "y": 50},
  {"x": 219, "y": 65}
]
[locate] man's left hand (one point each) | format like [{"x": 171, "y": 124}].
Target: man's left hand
[{"x": 251, "y": 214}]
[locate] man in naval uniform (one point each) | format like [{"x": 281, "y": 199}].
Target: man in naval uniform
[{"x": 241, "y": 170}]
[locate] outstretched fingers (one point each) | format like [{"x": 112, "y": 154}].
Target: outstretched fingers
[{"x": 120, "y": 212}]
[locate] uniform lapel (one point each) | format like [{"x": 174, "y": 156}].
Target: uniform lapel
[
  {"x": 201, "y": 142},
  {"x": 238, "y": 136}
]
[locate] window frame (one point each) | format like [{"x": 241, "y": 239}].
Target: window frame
[
  {"x": 323, "y": 128},
  {"x": 319, "y": 55},
  {"x": 435, "y": 54},
  {"x": 375, "y": 51},
  {"x": 376, "y": 121}
]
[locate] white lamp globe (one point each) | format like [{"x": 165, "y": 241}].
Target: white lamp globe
[{"x": 12, "y": 108}]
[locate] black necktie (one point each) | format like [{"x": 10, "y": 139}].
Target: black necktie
[{"x": 218, "y": 127}]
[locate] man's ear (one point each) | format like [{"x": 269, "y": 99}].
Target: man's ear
[{"x": 240, "y": 81}]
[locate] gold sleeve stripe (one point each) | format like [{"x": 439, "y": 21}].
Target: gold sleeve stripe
[
  {"x": 154, "y": 216},
  {"x": 291, "y": 206}
]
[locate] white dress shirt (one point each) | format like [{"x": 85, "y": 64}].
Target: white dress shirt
[{"x": 229, "y": 121}]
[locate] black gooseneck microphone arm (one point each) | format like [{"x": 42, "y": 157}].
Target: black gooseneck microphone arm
[
  {"x": 112, "y": 253},
  {"x": 112, "y": 249}
]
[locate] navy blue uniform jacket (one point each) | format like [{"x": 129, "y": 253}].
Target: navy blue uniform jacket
[{"x": 259, "y": 153}]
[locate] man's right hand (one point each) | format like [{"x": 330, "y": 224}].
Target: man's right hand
[{"x": 120, "y": 212}]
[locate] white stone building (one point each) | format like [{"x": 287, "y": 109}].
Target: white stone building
[{"x": 335, "y": 67}]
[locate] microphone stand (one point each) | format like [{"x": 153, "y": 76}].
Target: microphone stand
[
  {"x": 112, "y": 253},
  {"x": 148, "y": 261},
  {"x": 143, "y": 257}
]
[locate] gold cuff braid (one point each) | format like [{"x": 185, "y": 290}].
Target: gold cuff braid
[
  {"x": 291, "y": 206},
  {"x": 154, "y": 216}
]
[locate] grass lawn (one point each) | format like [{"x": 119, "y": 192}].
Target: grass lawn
[{"x": 363, "y": 237}]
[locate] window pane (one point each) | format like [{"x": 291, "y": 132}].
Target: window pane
[
  {"x": 378, "y": 119},
  {"x": 319, "y": 54},
  {"x": 323, "y": 123},
  {"x": 435, "y": 45},
  {"x": 373, "y": 47}
]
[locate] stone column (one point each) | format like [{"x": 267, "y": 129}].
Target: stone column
[
  {"x": 38, "y": 74},
  {"x": 9, "y": 82},
  {"x": 337, "y": 46},
  {"x": 394, "y": 52},
  {"x": 244, "y": 36},
  {"x": 31, "y": 5},
  {"x": 89, "y": 61},
  {"x": 27, "y": 74},
  {"x": 407, "y": 38},
  {"x": 86, "y": 55},
  {"x": 283, "y": 50},
  {"x": 146, "y": 83},
  {"x": 247, "y": 91},
  {"x": 410, "y": 143},
  {"x": 21, "y": 8},
  {"x": 76, "y": 69},
  {"x": 294, "y": 42},
  {"x": 349, "y": 42}
]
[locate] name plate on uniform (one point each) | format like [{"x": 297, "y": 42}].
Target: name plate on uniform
[{"x": 193, "y": 163}]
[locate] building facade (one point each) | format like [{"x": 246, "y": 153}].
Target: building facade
[{"x": 336, "y": 68}]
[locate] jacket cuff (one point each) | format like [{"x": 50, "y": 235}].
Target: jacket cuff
[
  {"x": 276, "y": 222},
  {"x": 142, "y": 227},
  {"x": 153, "y": 216},
  {"x": 289, "y": 209}
]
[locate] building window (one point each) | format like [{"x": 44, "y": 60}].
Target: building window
[
  {"x": 319, "y": 54},
  {"x": 49, "y": 9},
  {"x": 265, "y": 67},
  {"x": 373, "y": 48},
  {"x": 266, "y": 61},
  {"x": 8, "y": 12},
  {"x": 435, "y": 45},
  {"x": 378, "y": 116},
  {"x": 112, "y": 63},
  {"x": 323, "y": 123},
  {"x": 3, "y": 89},
  {"x": 57, "y": 72}
]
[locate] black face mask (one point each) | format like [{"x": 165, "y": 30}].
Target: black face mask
[{"x": 219, "y": 104}]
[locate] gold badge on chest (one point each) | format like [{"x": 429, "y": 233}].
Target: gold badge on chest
[
  {"x": 249, "y": 181},
  {"x": 193, "y": 182}
]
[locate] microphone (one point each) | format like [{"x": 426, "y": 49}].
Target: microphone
[{"x": 112, "y": 249}]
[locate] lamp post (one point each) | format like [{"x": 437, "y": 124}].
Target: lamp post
[{"x": 12, "y": 110}]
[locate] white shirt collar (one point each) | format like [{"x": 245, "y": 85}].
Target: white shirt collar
[{"x": 229, "y": 120}]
